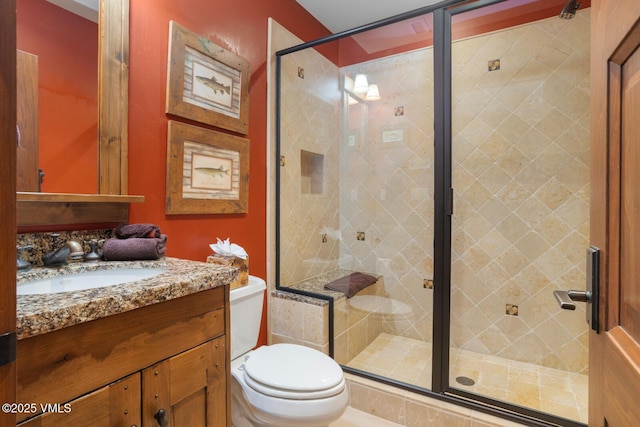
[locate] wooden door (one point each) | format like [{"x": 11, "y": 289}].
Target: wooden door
[
  {"x": 614, "y": 353},
  {"x": 28, "y": 178},
  {"x": 187, "y": 390},
  {"x": 117, "y": 404},
  {"x": 7, "y": 206}
]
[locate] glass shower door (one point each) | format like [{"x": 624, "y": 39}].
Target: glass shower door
[
  {"x": 356, "y": 192},
  {"x": 386, "y": 206},
  {"x": 520, "y": 176}
]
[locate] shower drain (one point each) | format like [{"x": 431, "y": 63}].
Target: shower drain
[{"x": 465, "y": 381}]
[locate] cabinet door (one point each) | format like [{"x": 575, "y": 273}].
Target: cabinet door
[
  {"x": 187, "y": 390},
  {"x": 117, "y": 404}
]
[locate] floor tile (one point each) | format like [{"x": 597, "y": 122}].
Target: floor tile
[
  {"x": 557, "y": 392},
  {"x": 354, "y": 418}
]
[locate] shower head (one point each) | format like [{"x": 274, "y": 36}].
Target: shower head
[{"x": 569, "y": 10}]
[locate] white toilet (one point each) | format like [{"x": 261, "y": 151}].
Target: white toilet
[{"x": 280, "y": 384}]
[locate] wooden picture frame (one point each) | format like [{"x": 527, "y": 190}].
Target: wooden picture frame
[
  {"x": 205, "y": 82},
  {"x": 207, "y": 171}
]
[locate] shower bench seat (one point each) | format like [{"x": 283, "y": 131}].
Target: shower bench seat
[
  {"x": 305, "y": 318},
  {"x": 316, "y": 284}
]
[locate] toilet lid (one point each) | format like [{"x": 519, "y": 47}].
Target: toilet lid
[{"x": 286, "y": 368}]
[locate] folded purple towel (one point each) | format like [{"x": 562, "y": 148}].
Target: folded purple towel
[
  {"x": 351, "y": 284},
  {"x": 137, "y": 230},
  {"x": 134, "y": 248}
]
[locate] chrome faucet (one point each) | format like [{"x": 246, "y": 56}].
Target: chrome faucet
[{"x": 70, "y": 251}]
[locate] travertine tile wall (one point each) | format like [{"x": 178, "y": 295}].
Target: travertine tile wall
[
  {"x": 387, "y": 189},
  {"x": 405, "y": 408},
  {"x": 521, "y": 181},
  {"x": 358, "y": 322},
  {"x": 300, "y": 321},
  {"x": 311, "y": 102}
]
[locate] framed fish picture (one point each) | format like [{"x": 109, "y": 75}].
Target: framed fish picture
[
  {"x": 205, "y": 82},
  {"x": 207, "y": 171}
]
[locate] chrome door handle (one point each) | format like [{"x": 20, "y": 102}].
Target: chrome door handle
[{"x": 567, "y": 299}]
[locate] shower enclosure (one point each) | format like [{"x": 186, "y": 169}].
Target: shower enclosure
[{"x": 458, "y": 176}]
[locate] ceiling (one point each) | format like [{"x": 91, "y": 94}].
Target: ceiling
[
  {"x": 88, "y": 9},
  {"x": 342, "y": 15},
  {"x": 410, "y": 33}
]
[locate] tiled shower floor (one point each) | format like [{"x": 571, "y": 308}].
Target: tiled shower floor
[{"x": 550, "y": 390}]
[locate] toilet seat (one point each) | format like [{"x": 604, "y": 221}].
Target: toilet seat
[{"x": 291, "y": 371}]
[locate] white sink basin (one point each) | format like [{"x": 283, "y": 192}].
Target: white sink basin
[{"x": 87, "y": 280}]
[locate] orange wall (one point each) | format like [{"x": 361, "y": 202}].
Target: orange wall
[
  {"x": 67, "y": 50},
  {"x": 241, "y": 27}
]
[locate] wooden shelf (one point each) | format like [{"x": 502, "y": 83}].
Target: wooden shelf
[
  {"x": 60, "y": 208},
  {"x": 68, "y": 197}
]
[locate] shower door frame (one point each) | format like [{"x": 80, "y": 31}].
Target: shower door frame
[{"x": 443, "y": 210}]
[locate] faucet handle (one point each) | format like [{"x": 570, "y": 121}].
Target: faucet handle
[
  {"x": 54, "y": 239},
  {"x": 21, "y": 264},
  {"x": 93, "y": 255}
]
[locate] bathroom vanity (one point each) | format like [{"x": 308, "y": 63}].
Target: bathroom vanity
[{"x": 148, "y": 353}]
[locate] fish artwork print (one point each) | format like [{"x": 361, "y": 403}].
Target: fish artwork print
[
  {"x": 213, "y": 171},
  {"x": 213, "y": 84}
]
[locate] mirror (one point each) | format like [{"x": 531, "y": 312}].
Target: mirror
[
  {"x": 57, "y": 81},
  {"x": 113, "y": 62}
]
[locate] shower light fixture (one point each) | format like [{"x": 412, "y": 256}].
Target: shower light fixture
[
  {"x": 360, "y": 89},
  {"x": 361, "y": 85},
  {"x": 373, "y": 94},
  {"x": 569, "y": 10}
]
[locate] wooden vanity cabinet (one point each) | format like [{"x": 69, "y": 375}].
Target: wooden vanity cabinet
[{"x": 165, "y": 364}]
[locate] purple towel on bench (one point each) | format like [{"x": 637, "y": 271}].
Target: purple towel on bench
[
  {"x": 135, "y": 248},
  {"x": 351, "y": 284}
]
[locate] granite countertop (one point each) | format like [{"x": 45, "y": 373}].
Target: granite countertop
[{"x": 42, "y": 313}]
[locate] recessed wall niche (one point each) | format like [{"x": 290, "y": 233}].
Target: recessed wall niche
[{"x": 312, "y": 172}]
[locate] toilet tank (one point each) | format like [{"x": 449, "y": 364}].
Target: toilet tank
[{"x": 246, "y": 315}]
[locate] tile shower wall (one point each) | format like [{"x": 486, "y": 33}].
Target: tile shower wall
[
  {"x": 521, "y": 171},
  {"x": 521, "y": 181},
  {"x": 309, "y": 164},
  {"x": 386, "y": 186},
  {"x": 300, "y": 320},
  {"x": 521, "y": 177}
]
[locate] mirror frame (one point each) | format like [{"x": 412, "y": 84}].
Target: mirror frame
[
  {"x": 113, "y": 95},
  {"x": 111, "y": 203}
]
